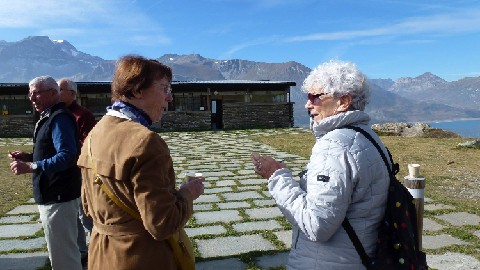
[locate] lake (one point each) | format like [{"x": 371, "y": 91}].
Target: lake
[{"x": 466, "y": 128}]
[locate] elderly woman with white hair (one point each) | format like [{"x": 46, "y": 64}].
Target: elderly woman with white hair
[{"x": 345, "y": 177}]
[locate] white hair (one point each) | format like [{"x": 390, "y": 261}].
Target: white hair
[
  {"x": 45, "y": 83},
  {"x": 339, "y": 78},
  {"x": 71, "y": 85}
]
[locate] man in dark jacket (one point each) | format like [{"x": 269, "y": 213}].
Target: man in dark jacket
[
  {"x": 85, "y": 122},
  {"x": 55, "y": 176}
]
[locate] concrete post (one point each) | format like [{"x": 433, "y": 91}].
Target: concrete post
[{"x": 415, "y": 183}]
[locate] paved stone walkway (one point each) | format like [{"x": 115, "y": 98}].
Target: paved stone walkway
[{"x": 236, "y": 224}]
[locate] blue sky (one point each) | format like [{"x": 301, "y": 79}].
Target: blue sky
[{"x": 385, "y": 38}]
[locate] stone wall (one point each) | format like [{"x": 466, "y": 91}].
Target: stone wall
[
  {"x": 251, "y": 115},
  {"x": 179, "y": 121},
  {"x": 17, "y": 126},
  {"x": 235, "y": 116}
]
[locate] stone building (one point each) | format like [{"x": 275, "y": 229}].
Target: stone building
[{"x": 197, "y": 105}]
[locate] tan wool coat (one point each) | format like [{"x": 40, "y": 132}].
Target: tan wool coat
[{"x": 135, "y": 165}]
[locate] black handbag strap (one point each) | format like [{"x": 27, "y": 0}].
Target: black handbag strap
[{"x": 366, "y": 260}]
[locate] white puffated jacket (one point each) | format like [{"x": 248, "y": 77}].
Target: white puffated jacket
[{"x": 346, "y": 177}]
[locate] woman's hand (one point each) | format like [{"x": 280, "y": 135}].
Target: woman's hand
[
  {"x": 194, "y": 186},
  {"x": 265, "y": 166}
]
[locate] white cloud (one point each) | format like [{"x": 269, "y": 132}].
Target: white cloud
[
  {"x": 442, "y": 24},
  {"x": 247, "y": 44},
  {"x": 113, "y": 20}
]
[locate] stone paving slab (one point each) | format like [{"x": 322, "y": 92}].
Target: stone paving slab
[
  {"x": 216, "y": 229},
  {"x": 222, "y": 173},
  {"x": 217, "y": 190},
  {"x": 217, "y": 216},
  {"x": 436, "y": 206},
  {"x": 243, "y": 177},
  {"x": 19, "y": 230},
  {"x": 16, "y": 219},
  {"x": 10, "y": 245},
  {"x": 202, "y": 207},
  {"x": 245, "y": 172},
  {"x": 285, "y": 237},
  {"x": 252, "y": 181},
  {"x": 225, "y": 183},
  {"x": 267, "y": 193},
  {"x": 23, "y": 209},
  {"x": 230, "y": 264},
  {"x": 23, "y": 261},
  {"x": 229, "y": 165},
  {"x": 207, "y": 198},
  {"x": 238, "y": 196},
  {"x": 257, "y": 225},
  {"x": 439, "y": 241},
  {"x": 461, "y": 218},
  {"x": 453, "y": 261},
  {"x": 263, "y": 203},
  {"x": 233, "y": 205},
  {"x": 241, "y": 188},
  {"x": 430, "y": 225},
  {"x": 232, "y": 245},
  {"x": 269, "y": 212}
]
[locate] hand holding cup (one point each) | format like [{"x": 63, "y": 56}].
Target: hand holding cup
[{"x": 193, "y": 182}]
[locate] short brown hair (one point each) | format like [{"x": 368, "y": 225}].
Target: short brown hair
[{"x": 133, "y": 74}]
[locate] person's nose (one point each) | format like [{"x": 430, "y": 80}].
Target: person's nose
[
  {"x": 308, "y": 105},
  {"x": 169, "y": 97}
]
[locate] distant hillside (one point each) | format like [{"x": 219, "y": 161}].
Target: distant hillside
[
  {"x": 462, "y": 94},
  {"x": 423, "y": 98}
]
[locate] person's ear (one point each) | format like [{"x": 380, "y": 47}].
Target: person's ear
[
  {"x": 137, "y": 95},
  {"x": 345, "y": 102}
]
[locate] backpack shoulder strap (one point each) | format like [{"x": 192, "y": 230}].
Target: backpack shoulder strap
[
  {"x": 372, "y": 140},
  {"x": 366, "y": 260}
]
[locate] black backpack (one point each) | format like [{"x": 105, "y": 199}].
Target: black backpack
[{"x": 397, "y": 242}]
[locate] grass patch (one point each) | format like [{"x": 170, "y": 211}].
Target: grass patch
[{"x": 15, "y": 189}]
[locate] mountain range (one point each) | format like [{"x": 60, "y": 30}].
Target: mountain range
[{"x": 420, "y": 99}]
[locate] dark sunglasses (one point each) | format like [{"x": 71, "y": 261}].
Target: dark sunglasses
[{"x": 312, "y": 97}]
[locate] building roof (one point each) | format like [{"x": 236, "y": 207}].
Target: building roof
[
  {"x": 289, "y": 83},
  {"x": 94, "y": 87}
]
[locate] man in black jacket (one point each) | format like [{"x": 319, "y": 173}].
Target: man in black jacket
[{"x": 55, "y": 177}]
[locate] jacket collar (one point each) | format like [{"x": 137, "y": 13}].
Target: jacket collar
[{"x": 339, "y": 120}]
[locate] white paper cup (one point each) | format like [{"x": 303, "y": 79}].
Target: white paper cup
[
  {"x": 191, "y": 175},
  {"x": 414, "y": 170}
]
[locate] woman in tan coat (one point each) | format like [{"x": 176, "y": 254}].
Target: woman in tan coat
[{"x": 135, "y": 165}]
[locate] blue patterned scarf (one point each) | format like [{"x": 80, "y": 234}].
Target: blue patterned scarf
[{"x": 131, "y": 112}]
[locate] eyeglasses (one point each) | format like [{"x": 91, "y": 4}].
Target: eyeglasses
[
  {"x": 168, "y": 88},
  {"x": 313, "y": 97},
  {"x": 37, "y": 93}
]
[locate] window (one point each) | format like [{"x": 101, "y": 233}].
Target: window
[{"x": 189, "y": 102}]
